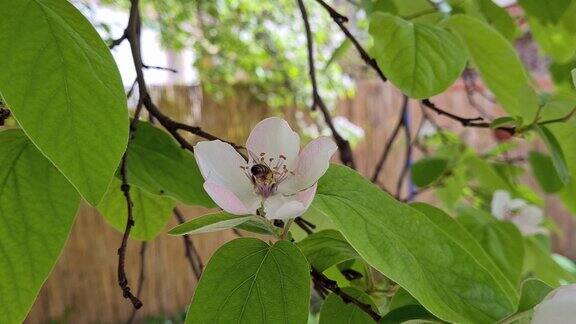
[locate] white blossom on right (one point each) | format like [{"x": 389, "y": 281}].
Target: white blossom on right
[
  {"x": 526, "y": 217},
  {"x": 558, "y": 307}
]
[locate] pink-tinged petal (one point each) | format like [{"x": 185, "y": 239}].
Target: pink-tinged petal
[
  {"x": 229, "y": 201},
  {"x": 500, "y": 201},
  {"x": 220, "y": 163},
  {"x": 558, "y": 307},
  {"x": 531, "y": 215},
  {"x": 313, "y": 162},
  {"x": 285, "y": 207},
  {"x": 274, "y": 137}
]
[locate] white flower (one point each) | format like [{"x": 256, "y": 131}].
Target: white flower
[
  {"x": 558, "y": 307},
  {"x": 526, "y": 217},
  {"x": 278, "y": 176}
]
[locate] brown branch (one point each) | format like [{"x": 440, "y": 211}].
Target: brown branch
[
  {"x": 340, "y": 20},
  {"x": 344, "y": 147},
  {"x": 155, "y": 67},
  {"x": 324, "y": 284},
  {"x": 191, "y": 252},
  {"x": 118, "y": 40},
  {"x": 466, "y": 122},
  {"x": 388, "y": 145},
  {"x": 408, "y": 156},
  {"x": 141, "y": 279}
]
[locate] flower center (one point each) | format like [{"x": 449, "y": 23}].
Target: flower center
[{"x": 266, "y": 173}]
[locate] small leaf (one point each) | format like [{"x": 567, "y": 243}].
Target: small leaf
[
  {"x": 413, "y": 248},
  {"x": 555, "y": 151},
  {"x": 37, "y": 209},
  {"x": 158, "y": 165},
  {"x": 150, "y": 212},
  {"x": 503, "y": 122},
  {"x": 499, "y": 18},
  {"x": 327, "y": 248},
  {"x": 533, "y": 292},
  {"x": 497, "y": 61},
  {"x": 539, "y": 261},
  {"x": 64, "y": 89},
  {"x": 210, "y": 223},
  {"x": 408, "y": 313},
  {"x": 249, "y": 281},
  {"x": 420, "y": 59},
  {"x": 427, "y": 170},
  {"x": 335, "y": 311},
  {"x": 545, "y": 172}
]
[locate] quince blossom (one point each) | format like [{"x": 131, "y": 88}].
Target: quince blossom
[
  {"x": 278, "y": 178},
  {"x": 559, "y": 306},
  {"x": 526, "y": 217}
]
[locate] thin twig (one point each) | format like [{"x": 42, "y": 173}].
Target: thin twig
[
  {"x": 141, "y": 279},
  {"x": 191, "y": 252},
  {"x": 155, "y": 67},
  {"x": 408, "y": 155},
  {"x": 340, "y": 20},
  {"x": 344, "y": 147},
  {"x": 391, "y": 139},
  {"x": 118, "y": 40}
]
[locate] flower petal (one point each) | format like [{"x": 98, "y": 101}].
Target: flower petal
[
  {"x": 531, "y": 215},
  {"x": 558, "y": 307},
  {"x": 500, "y": 201},
  {"x": 220, "y": 163},
  {"x": 285, "y": 207},
  {"x": 313, "y": 162},
  {"x": 274, "y": 137},
  {"x": 229, "y": 201}
]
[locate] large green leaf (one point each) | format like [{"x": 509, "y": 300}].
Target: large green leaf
[
  {"x": 428, "y": 254},
  {"x": 497, "y": 62},
  {"x": 249, "y": 281},
  {"x": 422, "y": 60},
  {"x": 37, "y": 208},
  {"x": 501, "y": 240},
  {"x": 327, "y": 248},
  {"x": 210, "y": 223},
  {"x": 160, "y": 166},
  {"x": 62, "y": 85},
  {"x": 335, "y": 311},
  {"x": 498, "y": 17},
  {"x": 150, "y": 212},
  {"x": 539, "y": 261}
]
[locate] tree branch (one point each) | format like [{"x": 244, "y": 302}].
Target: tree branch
[
  {"x": 141, "y": 278},
  {"x": 191, "y": 252},
  {"x": 408, "y": 155},
  {"x": 340, "y": 20},
  {"x": 344, "y": 148}
]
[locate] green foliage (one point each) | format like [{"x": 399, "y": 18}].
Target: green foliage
[
  {"x": 210, "y": 223},
  {"x": 150, "y": 212},
  {"x": 158, "y": 165},
  {"x": 540, "y": 263},
  {"x": 497, "y": 62},
  {"x": 420, "y": 59},
  {"x": 249, "y": 281},
  {"x": 410, "y": 247},
  {"x": 533, "y": 292},
  {"x": 62, "y": 85},
  {"x": 427, "y": 170},
  {"x": 37, "y": 209},
  {"x": 327, "y": 248},
  {"x": 544, "y": 172},
  {"x": 501, "y": 240},
  {"x": 336, "y": 311},
  {"x": 558, "y": 159}
]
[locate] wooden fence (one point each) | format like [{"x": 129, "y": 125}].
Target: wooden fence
[{"x": 83, "y": 286}]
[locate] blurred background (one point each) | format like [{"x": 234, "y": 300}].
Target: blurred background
[{"x": 234, "y": 63}]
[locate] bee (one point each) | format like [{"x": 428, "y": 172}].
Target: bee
[{"x": 261, "y": 174}]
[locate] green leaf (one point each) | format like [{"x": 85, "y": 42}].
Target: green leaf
[
  {"x": 533, "y": 292},
  {"x": 501, "y": 240},
  {"x": 499, "y": 18},
  {"x": 407, "y": 313},
  {"x": 540, "y": 262},
  {"x": 62, "y": 85},
  {"x": 497, "y": 61},
  {"x": 210, "y": 223},
  {"x": 553, "y": 39},
  {"x": 335, "y": 311},
  {"x": 573, "y": 74},
  {"x": 427, "y": 170},
  {"x": 37, "y": 208},
  {"x": 428, "y": 254},
  {"x": 556, "y": 152},
  {"x": 150, "y": 212},
  {"x": 503, "y": 121},
  {"x": 422, "y": 60},
  {"x": 545, "y": 172},
  {"x": 249, "y": 281},
  {"x": 546, "y": 11},
  {"x": 158, "y": 165},
  {"x": 327, "y": 248}
]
